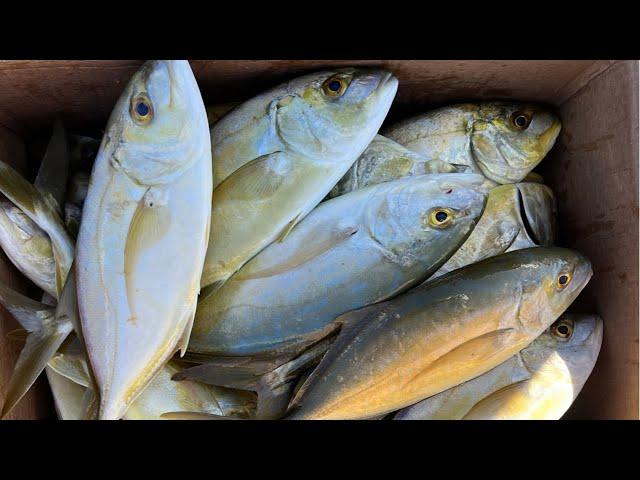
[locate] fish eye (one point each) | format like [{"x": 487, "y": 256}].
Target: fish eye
[
  {"x": 520, "y": 120},
  {"x": 440, "y": 217},
  {"x": 562, "y": 329},
  {"x": 334, "y": 86},
  {"x": 141, "y": 109},
  {"x": 563, "y": 280}
]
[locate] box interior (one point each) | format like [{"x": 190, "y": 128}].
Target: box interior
[{"x": 593, "y": 169}]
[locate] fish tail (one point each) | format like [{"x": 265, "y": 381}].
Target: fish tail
[
  {"x": 42, "y": 343},
  {"x": 45, "y": 331},
  {"x": 274, "y": 381}
]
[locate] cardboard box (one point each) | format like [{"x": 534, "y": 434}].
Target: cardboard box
[{"x": 593, "y": 170}]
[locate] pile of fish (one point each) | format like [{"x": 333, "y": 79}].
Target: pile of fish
[{"x": 290, "y": 258}]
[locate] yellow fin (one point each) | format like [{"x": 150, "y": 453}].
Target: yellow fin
[
  {"x": 149, "y": 224},
  {"x": 257, "y": 180},
  {"x": 285, "y": 232},
  {"x": 73, "y": 367},
  {"x": 477, "y": 351},
  {"x": 498, "y": 402}
]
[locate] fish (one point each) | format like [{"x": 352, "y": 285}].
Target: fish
[
  {"x": 162, "y": 395},
  {"x": 385, "y": 160},
  {"x": 502, "y": 140},
  {"x": 351, "y": 251},
  {"x": 279, "y": 154},
  {"x": 440, "y": 334},
  {"x": 144, "y": 232},
  {"x": 31, "y": 227},
  {"x": 517, "y": 216},
  {"x": 538, "y": 383}
]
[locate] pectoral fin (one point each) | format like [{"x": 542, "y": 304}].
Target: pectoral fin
[
  {"x": 149, "y": 224},
  {"x": 492, "y": 406},
  {"x": 285, "y": 232},
  {"x": 299, "y": 257},
  {"x": 480, "y": 350},
  {"x": 257, "y": 180}
]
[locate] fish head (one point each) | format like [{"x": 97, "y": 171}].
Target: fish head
[
  {"x": 509, "y": 139},
  {"x": 427, "y": 213},
  {"x": 155, "y": 124},
  {"x": 569, "y": 349},
  {"x": 333, "y": 115},
  {"x": 551, "y": 279}
]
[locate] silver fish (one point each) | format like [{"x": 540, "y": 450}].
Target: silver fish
[
  {"x": 393, "y": 354},
  {"x": 357, "y": 249},
  {"x": 502, "y": 140},
  {"x": 144, "y": 232}
]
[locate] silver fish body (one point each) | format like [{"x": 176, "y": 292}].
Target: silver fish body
[
  {"x": 351, "y": 251},
  {"x": 144, "y": 232},
  {"x": 538, "y": 383},
  {"x": 440, "y": 334}
]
